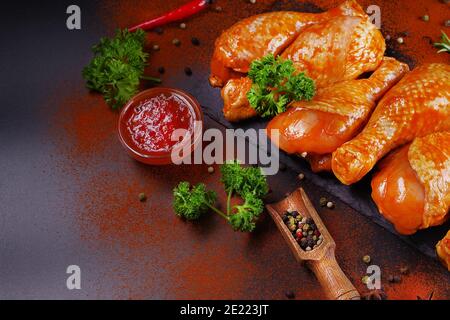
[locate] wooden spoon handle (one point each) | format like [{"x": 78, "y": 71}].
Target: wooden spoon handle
[{"x": 333, "y": 280}]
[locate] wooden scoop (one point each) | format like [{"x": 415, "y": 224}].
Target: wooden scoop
[{"x": 321, "y": 260}]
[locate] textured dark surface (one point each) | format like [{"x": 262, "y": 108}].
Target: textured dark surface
[{"x": 68, "y": 192}]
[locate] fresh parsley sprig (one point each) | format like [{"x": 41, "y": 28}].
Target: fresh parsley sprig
[
  {"x": 117, "y": 67},
  {"x": 245, "y": 215},
  {"x": 191, "y": 203},
  {"x": 444, "y": 45},
  {"x": 243, "y": 181},
  {"x": 276, "y": 83},
  {"x": 249, "y": 183}
]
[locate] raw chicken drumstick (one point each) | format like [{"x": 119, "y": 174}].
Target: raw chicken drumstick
[
  {"x": 339, "y": 49},
  {"x": 418, "y": 105},
  {"x": 257, "y": 36},
  {"x": 412, "y": 188},
  {"x": 336, "y": 114}
]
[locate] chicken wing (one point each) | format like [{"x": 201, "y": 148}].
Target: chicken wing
[
  {"x": 418, "y": 105},
  {"x": 260, "y": 35},
  {"x": 443, "y": 250},
  {"x": 412, "y": 188},
  {"x": 339, "y": 49},
  {"x": 335, "y": 115}
]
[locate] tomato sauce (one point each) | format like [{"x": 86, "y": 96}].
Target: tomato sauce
[{"x": 151, "y": 123}]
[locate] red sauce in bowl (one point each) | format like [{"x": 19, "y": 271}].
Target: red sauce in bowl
[{"x": 148, "y": 121}]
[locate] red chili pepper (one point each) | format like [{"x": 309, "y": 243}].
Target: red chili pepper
[{"x": 182, "y": 12}]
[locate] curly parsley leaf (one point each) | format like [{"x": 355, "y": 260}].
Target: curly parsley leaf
[
  {"x": 117, "y": 67},
  {"x": 191, "y": 203},
  {"x": 248, "y": 182},
  {"x": 276, "y": 83},
  {"x": 244, "y": 217},
  {"x": 232, "y": 177},
  {"x": 255, "y": 183},
  {"x": 243, "y": 180}
]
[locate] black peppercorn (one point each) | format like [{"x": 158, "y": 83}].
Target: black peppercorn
[
  {"x": 142, "y": 197},
  {"x": 161, "y": 70},
  {"x": 195, "y": 41},
  {"x": 188, "y": 71},
  {"x": 176, "y": 42},
  {"x": 289, "y": 294},
  {"x": 405, "y": 34},
  {"x": 303, "y": 243}
]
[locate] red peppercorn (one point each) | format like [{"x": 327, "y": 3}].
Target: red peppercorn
[
  {"x": 317, "y": 233},
  {"x": 299, "y": 234}
]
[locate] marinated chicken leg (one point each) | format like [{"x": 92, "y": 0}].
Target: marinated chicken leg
[
  {"x": 418, "y": 105},
  {"x": 263, "y": 34},
  {"x": 339, "y": 49},
  {"x": 336, "y": 114},
  {"x": 412, "y": 189}
]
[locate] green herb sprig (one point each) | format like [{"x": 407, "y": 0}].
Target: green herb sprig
[
  {"x": 117, "y": 67},
  {"x": 275, "y": 84},
  {"x": 191, "y": 203},
  {"x": 444, "y": 45},
  {"x": 247, "y": 182}
]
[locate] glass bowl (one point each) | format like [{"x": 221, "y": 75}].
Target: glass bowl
[{"x": 160, "y": 157}]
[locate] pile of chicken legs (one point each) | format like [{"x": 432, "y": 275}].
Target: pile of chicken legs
[{"x": 395, "y": 115}]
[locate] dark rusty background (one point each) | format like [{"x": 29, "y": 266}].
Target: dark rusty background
[{"x": 68, "y": 192}]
